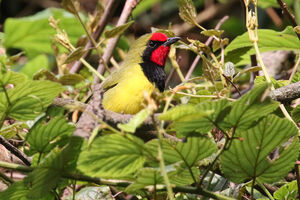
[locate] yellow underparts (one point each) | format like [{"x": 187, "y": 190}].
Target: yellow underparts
[{"x": 128, "y": 95}]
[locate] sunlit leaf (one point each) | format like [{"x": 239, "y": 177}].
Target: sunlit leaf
[
  {"x": 112, "y": 156},
  {"x": 119, "y": 30},
  {"x": 42, "y": 137},
  {"x": 240, "y": 49},
  {"x": 37, "y": 63},
  {"x": 266, "y": 151},
  {"x": 135, "y": 122},
  {"x": 75, "y": 55},
  {"x": 187, "y": 11},
  {"x": 289, "y": 191}
]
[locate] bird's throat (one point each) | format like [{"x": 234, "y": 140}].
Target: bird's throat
[{"x": 155, "y": 74}]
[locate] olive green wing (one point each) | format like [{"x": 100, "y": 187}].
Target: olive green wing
[{"x": 133, "y": 57}]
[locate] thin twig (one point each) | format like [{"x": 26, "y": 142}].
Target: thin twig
[
  {"x": 14, "y": 150},
  {"x": 100, "y": 27},
  {"x": 127, "y": 10},
  {"x": 207, "y": 43},
  {"x": 288, "y": 14}
]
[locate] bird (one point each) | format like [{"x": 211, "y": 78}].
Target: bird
[{"x": 142, "y": 71}]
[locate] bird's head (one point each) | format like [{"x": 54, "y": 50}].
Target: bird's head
[{"x": 158, "y": 48}]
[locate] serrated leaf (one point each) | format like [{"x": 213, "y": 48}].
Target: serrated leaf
[
  {"x": 18, "y": 191},
  {"x": 296, "y": 114},
  {"x": 35, "y": 37},
  {"x": 250, "y": 156},
  {"x": 250, "y": 108},
  {"x": 240, "y": 49},
  {"x": 276, "y": 83},
  {"x": 180, "y": 111},
  {"x": 28, "y": 100},
  {"x": 191, "y": 151},
  {"x": 117, "y": 31},
  {"x": 75, "y": 55},
  {"x": 192, "y": 122},
  {"x": 11, "y": 130},
  {"x": 289, "y": 191},
  {"x": 187, "y": 11},
  {"x": 36, "y": 64},
  {"x": 70, "y": 79},
  {"x": 42, "y": 137},
  {"x": 112, "y": 156},
  {"x": 135, "y": 122},
  {"x": 145, "y": 177},
  {"x": 47, "y": 175}
]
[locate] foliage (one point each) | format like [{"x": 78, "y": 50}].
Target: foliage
[{"x": 208, "y": 143}]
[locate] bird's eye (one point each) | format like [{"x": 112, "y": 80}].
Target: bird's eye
[{"x": 152, "y": 44}]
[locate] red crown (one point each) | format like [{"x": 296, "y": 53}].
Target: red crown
[{"x": 159, "y": 37}]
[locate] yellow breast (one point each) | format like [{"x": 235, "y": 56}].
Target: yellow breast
[{"x": 128, "y": 95}]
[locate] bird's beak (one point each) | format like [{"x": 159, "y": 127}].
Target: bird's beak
[{"x": 171, "y": 40}]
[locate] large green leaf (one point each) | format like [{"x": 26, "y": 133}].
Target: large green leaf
[
  {"x": 47, "y": 175},
  {"x": 43, "y": 137},
  {"x": 113, "y": 156},
  {"x": 287, "y": 192},
  {"x": 199, "y": 118},
  {"x": 240, "y": 49},
  {"x": 268, "y": 151},
  {"x": 178, "y": 175},
  {"x": 18, "y": 191},
  {"x": 35, "y": 37},
  {"x": 190, "y": 152},
  {"x": 250, "y": 108},
  {"x": 10, "y": 77},
  {"x": 28, "y": 100}
]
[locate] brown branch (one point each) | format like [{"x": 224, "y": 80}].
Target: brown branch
[
  {"x": 100, "y": 27},
  {"x": 14, "y": 151},
  {"x": 288, "y": 14},
  {"x": 207, "y": 43},
  {"x": 287, "y": 93},
  {"x": 127, "y": 10}
]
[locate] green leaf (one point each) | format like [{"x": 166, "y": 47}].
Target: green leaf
[
  {"x": 145, "y": 177},
  {"x": 70, "y": 79},
  {"x": 35, "y": 37},
  {"x": 197, "y": 118},
  {"x": 266, "y": 151},
  {"x": 18, "y": 191},
  {"x": 28, "y": 100},
  {"x": 178, "y": 175},
  {"x": 191, "y": 151},
  {"x": 240, "y": 49},
  {"x": 36, "y": 64},
  {"x": 117, "y": 31},
  {"x": 75, "y": 55},
  {"x": 112, "y": 156},
  {"x": 47, "y": 175},
  {"x": 10, "y": 77},
  {"x": 187, "y": 11},
  {"x": 10, "y": 131},
  {"x": 287, "y": 192},
  {"x": 93, "y": 193},
  {"x": 43, "y": 137},
  {"x": 135, "y": 122},
  {"x": 296, "y": 114},
  {"x": 276, "y": 83},
  {"x": 181, "y": 111},
  {"x": 250, "y": 108}
]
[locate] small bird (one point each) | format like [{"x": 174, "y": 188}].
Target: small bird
[{"x": 142, "y": 71}]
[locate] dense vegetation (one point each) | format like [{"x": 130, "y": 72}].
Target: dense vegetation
[{"x": 223, "y": 129}]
